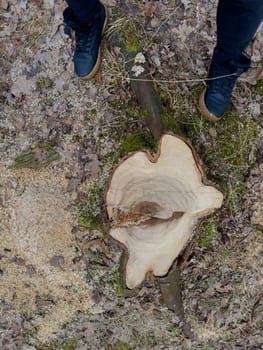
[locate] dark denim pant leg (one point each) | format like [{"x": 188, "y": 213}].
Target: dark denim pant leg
[
  {"x": 80, "y": 12},
  {"x": 237, "y": 23}
]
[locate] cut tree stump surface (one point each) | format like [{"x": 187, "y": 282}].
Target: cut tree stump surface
[{"x": 155, "y": 203}]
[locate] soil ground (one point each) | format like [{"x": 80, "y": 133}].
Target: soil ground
[{"x": 60, "y": 138}]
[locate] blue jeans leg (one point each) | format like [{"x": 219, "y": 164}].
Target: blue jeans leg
[
  {"x": 80, "y": 12},
  {"x": 237, "y": 23}
]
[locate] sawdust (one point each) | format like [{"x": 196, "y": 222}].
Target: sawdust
[{"x": 36, "y": 227}]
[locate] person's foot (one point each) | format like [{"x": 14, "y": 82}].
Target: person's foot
[
  {"x": 87, "y": 55},
  {"x": 215, "y": 99}
]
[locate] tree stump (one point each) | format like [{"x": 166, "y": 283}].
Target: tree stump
[{"x": 155, "y": 203}]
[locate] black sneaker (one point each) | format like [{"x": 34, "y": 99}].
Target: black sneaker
[
  {"x": 215, "y": 99},
  {"x": 87, "y": 55}
]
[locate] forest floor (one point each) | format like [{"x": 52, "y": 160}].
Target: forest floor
[{"x": 60, "y": 137}]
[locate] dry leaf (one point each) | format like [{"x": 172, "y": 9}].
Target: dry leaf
[
  {"x": 94, "y": 166},
  {"x": 253, "y": 75},
  {"x": 149, "y": 8},
  {"x": 212, "y": 132},
  {"x": 22, "y": 86}
]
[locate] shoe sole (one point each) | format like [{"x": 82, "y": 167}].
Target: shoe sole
[
  {"x": 204, "y": 111},
  {"x": 96, "y": 68}
]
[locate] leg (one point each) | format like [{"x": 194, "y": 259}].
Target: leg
[
  {"x": 84, "y": 10},
  {"x": 237, "y": 23},
  {"x": 88, "y": 19}
]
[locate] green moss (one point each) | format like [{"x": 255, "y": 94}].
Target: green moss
[
  {"x": 91, "y": 223},
  {"x": 119, "y": 345},
  {"x": 258, "y": 89},
  {"x": 169, "y": 122},
  {"x": 110, "y": 158},
  {"x": 55, "y": 345},
  {"x": 174, "y": 59},
  {"x": 175, "y": 115},
  {"x": 49, "y": 101},
  {"x": 129, "y": 37},
  {"x": 90, "y": 212},
  {"x": 207, "y": 234},
  {"x": 76, "y": 138},
  {"x": 18, "y": 105},
  {"x": 115, "y": 11},
  {"x": 231, "y": 154},
  {"x": 35, "y": 158},
  {"x": 44, "y": 83},
  {"x": 145, "y": 113},
  {"x": 208, "y": 347},
  {"x": 136, "y": 142},
  {"x": 94, "y": 257},
  {"x": 121, "y": 290}
]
